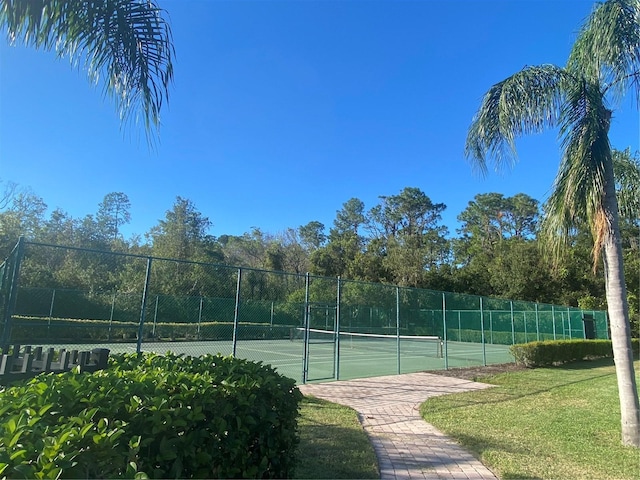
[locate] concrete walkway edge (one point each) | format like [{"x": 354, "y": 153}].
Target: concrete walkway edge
[{"x": 407, "y": 447}]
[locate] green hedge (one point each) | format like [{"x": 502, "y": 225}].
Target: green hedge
[
  {"x": 496, "y": 337},
  {"x": 150, "y": 415},
  {"x": 556, "y": 352},
  {"x": 30, "y": 330}
]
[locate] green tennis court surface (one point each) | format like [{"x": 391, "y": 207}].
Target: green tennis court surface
[{"x": 357, "y": 358}]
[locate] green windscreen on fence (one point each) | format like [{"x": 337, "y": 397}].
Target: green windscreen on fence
[{"x": 310, "y": 328}]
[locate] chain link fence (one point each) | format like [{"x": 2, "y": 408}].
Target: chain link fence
[{"x": 308, "y": 327}]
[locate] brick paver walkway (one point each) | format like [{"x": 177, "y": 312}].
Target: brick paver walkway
[{"x": 407, "y": 447}]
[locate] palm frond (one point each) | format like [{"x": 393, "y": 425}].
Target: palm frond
[
  {"x": 124, "y": 44},
  {"x": 527, "y": 102},
  {"x": 579, "y": 187},
  {"x": 608, "y": 47},
  {"x": 626, "y": 170}
]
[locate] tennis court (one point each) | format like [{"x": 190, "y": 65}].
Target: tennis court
[
  {"x": 308, "y": 327},
  {"x": 353, "y": 356}
]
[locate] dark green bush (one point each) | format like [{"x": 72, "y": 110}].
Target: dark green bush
[
  {"x": 496, "y": 337},
  {"x": 555, "y": 352},
  {"x": 150, "y": 415},
  {"x": 30, "y": 330}
]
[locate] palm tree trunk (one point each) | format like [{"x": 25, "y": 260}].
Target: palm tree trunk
[{"x": 618, "y": 309}]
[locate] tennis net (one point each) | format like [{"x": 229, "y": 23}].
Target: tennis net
[{"x": 423, "y": 345}]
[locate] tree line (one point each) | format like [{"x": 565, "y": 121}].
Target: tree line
[{"x": 401, "y": 240}]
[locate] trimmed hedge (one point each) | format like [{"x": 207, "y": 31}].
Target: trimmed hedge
[
  {"x": 152, "y": 416},
  {"x": 67, "y": 330},
  {"x": 497, "y": 337},
  {"x": 556, "y": 352}
]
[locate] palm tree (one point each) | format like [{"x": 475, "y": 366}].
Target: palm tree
[
  {"x": 125, "y": 42},
  {"x": 604, "y": 64}
]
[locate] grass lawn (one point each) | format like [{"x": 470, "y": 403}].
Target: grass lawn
[
  {"x": 333, "y": 443},
  {"x": 548, "y": 423}
]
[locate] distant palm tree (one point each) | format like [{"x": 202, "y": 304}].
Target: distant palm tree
[
  {"x": 604, "y": 63},
  {"x": 125, "y": 44}
]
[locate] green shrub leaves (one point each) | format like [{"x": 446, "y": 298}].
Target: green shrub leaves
[
  {"x": 152, "y": 416},
  {"x": 556, "y": 352}
]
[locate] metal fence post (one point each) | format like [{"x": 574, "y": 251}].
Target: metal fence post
[
  {"x": 53, "y": 299},
  {"x": 445, "y": 353},
  {"x": 236, "y": 314},
  {"x": 537, "y": 324},
  {"x": 398, "y": 327},
  {"x": 155, "y": 316},
  {"x": 13, "y": 294},
  {"x": 484, "y": 347},
  {"x": 200, "y": 316},
  {"x": 271, "y": 315},
  {"x": 143, "y": 306},
  {"x": 305, "y": 354},
  {"x": 513, "y": 325},
  {"x": 338, "y": 303},
  {"x": 113, "y": 306},
  {"x": 491, "y": 327},
  {"x": 553, "y": 319}
]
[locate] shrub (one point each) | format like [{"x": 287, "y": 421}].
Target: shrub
[
  {"x": 149, "y": 415},
  {"x": 546, "y": 353},
  {"x": 30, "y": 330}
]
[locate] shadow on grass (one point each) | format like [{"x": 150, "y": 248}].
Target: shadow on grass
[
  {"x": 539, "y": 380},
  {"x": 518, "y": 476},
  {"x": 331, "y": 445},
  {"x": 587, "y": 364},
  {"x": 478, "y": 444},
  {"x": 514, "y": 386}
]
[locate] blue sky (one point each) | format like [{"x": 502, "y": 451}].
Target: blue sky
[{"x": 281, "y": 111}]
